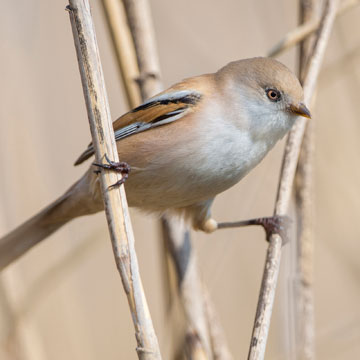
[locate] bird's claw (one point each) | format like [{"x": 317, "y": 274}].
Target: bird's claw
[
  {"x": 277, "y": 224},
  {"x": 120, "y": 167}
]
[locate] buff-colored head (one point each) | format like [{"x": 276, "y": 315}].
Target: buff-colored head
[{"x": 268, "y": 87}]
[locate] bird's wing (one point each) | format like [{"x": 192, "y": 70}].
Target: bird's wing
[{"x": 162, "y": 109}]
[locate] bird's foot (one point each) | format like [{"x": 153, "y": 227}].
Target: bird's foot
[
  {"x": 120, "y": 167},
  {"x": 276, "y": 224}
]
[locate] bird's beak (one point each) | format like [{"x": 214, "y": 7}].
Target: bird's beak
[{"x": 300, "y": 109}]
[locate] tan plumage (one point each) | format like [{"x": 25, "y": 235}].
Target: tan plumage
[
  {"x": 185, "y": 146},
  {"x": 157, "y": 109}
]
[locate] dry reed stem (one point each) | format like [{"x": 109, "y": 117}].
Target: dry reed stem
[
  {"x": 116, "y": 208},
  {"x": 308, "y": 10},
  {"x": 304, "y": 30},
  {"x": 219, "y": 345},
  {"x": 193, "y": 347},
  {"x": 178, "y": 241},
  {"x": 303, "y": 299},
  {"x": 123, "y": 48},
  {"x": 292, "y": 150},
  {"x": 142, "y": 31}
]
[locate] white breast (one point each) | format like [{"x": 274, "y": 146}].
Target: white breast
[
  {"x": 226, "y": 150},
  {"x": 219, "y": 151}
]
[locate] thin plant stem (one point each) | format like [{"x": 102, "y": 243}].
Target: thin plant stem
[
  {"x": 189, "y": 284},
  {"x": 301, "y": 32},
  {"x": 291, "y": 155},
  {"x": 142, "y": 31},
  {"x": 302, "y": 291},
  {"x": 123, "y": 48},
  {"x": 116, "y": 209},
  {"x": 304, "y": 296}
]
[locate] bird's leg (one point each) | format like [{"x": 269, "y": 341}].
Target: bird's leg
[
  {"x": 120, "y": 167},
  {"x": 276, "y": 224}
]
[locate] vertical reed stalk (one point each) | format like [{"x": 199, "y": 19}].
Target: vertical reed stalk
[
  {"x": 116, "y": 208},
  {"x": 291, "y": 155}
]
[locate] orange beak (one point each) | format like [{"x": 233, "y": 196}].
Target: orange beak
[{"x": 300, "y": 110}]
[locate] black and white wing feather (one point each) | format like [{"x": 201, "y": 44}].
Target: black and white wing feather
[{"x": 157, "y": 111}]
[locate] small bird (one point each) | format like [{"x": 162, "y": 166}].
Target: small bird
[{"x": 184, "y": 146}]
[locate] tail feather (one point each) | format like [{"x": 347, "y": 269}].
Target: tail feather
[
  {"x": 85, "y": 155},
  {"x": 83, "y": 198}
]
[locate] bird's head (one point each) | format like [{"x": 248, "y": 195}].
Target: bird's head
[{"x": 269, "y": 93}]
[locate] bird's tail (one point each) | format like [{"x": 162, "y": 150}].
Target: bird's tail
[{"x": 83, "y": 198}]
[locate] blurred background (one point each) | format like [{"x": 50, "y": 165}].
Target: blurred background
[{"x": 64, "y": 299}]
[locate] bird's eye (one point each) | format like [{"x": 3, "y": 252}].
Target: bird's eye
[{"x": 273, "y": 94}]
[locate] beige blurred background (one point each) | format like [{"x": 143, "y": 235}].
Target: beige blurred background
[{"x": 64, "y": 299}]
